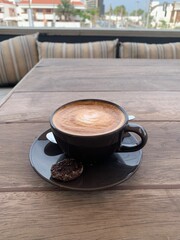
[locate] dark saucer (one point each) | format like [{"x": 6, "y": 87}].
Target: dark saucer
[{"x": 118, "y": 168}]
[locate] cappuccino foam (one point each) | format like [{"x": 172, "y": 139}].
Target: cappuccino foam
[{"x": 88, "y": 118}]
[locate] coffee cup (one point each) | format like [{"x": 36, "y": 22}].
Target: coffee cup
[{"x": 93, "y": 129}]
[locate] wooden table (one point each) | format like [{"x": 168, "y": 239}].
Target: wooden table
[{"x": 147, "y": 206}]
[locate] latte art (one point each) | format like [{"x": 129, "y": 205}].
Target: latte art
[
  {"x": 91, "y": 117},
  {"x": 88, "y": 118}
]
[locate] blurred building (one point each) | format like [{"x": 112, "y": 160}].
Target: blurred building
[
  {"x": 33, "y": 12},
  {"x": 7, "y": 12},
  {"x": 90, "y": 4},
  {"x": 166, "y": 13},
  {"x": 175, "y": 16}
]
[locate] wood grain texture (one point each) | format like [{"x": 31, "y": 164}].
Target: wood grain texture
[
  {"x": 160, "y": 166},
  {"x": 146, "y": 106},
  {"x": 146, "y": 207},
  {"x": 15, "y": 169},
  {"x": 103, "y": 75},
  {"x": 126, "y": 215}
]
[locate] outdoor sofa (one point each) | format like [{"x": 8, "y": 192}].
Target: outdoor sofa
[{"x": 19, "y": 54}]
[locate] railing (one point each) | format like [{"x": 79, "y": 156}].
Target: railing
[{"x": 93, "y": 34}]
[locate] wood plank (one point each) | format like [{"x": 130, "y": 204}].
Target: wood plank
[
  {"x": 144, "y": 207},
  {"x": 103, "y": 75},
  {"x": 101, "y": 62},
  {"x": 160, "y": 165},
  {"x": 154, "y": 106},
  {"x": 130, "y": 215},
  {"x": 16, "y": 140}
]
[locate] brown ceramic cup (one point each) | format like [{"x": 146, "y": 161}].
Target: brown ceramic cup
[{"x": 93, "y": 129}]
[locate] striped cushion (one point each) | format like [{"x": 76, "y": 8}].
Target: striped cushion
[
  {"x": 17, "y": 56},
  {"x": 143, "y": 50},
  {"x": 102, "y": 49}
]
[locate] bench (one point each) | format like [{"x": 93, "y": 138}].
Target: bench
[{"x": 25, "y": 50}]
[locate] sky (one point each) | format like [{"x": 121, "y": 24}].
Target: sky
[{"x": 131, "y": 4}]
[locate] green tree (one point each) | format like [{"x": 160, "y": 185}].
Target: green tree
[
  {"x": 138, "y": 12},
  {"x": 94, "y": 14},
  {"x": 65, "y": 10},
  {"x": 90, "y": 14},
  {"x": 110, "y": 11},
  {"x": 120, "y": 11},
  {"x": 163, "y": 24},
  {"x": 82, "y": 14}
]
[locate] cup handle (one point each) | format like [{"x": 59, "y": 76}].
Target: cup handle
[{"x": 139, "y": 130}]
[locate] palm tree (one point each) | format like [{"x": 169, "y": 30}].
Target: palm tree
[
  {"x": 120, "y": 11},
  {"x": 90, "y": 14},
  {"x": 110, "y": 11},
  {"x": 93, "y": 13},
  {"x": 65, "y": 10}
]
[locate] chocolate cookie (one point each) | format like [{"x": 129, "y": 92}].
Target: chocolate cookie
[{"x": 66, "y": 170}]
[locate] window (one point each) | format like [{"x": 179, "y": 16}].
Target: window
[{"x": 119, "y": 14}]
